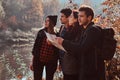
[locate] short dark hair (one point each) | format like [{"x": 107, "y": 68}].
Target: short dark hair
[
  {"x": 88, "y": 11},
  {"x": 67, "y": 12},
  {"x": 75, "y": 14}
]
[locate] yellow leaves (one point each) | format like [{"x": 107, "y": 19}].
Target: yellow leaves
[
  {"x": 105, "y": 10},
  {"x": 116, "y": 25},
  {"x": 109, "y": 3},
  {"x": 105, "y": 3},
  {"x": 96, "y": 20},
  {"x": 19, "y": 76}
]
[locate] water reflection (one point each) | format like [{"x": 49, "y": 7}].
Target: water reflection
[{"x": 14, "y": 61}]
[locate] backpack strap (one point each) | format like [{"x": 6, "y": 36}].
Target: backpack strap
[
  {"x": 61, "y": 29},
  {"x": 98, "y": 27}
]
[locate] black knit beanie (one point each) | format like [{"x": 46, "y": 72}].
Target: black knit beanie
[{"x": 53, "y": 18}]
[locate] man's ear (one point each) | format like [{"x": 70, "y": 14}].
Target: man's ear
[{"x": 89, "y": 18}]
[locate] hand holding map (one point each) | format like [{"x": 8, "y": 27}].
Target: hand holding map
[{"x": 52, "y": 39}]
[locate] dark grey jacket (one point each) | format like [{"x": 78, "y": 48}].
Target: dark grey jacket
[
  {"x": 69, "y": 63},
  {"x": 85, "y": 51}
]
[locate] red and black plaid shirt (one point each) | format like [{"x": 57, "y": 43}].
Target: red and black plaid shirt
[{"x": 47, "y": 53}]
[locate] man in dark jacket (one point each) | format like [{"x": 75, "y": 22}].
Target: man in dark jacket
[
  {"x": 68, "y": 63},
  {"x": 85, "y": 49}
]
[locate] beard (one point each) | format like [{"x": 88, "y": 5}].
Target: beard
[
  {"x": 62, "y": 22},
  {"x": 84, "y": 23}
]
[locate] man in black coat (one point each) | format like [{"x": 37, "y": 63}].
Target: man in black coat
[{"x": 85, "y": 49}]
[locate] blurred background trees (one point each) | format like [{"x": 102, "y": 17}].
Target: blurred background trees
[{"x": 112, "y": 12}]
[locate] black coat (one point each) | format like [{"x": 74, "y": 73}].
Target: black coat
[
  {"x": 85, "y": 50},
  {"x": 69, "y": 63},
  {"x": 36, "y": 48}
]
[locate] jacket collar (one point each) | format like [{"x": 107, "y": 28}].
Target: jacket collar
[{"x": 89, "y": 25}]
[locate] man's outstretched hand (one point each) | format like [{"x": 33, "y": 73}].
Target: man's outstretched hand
[{"x": 59, "y": 40}]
